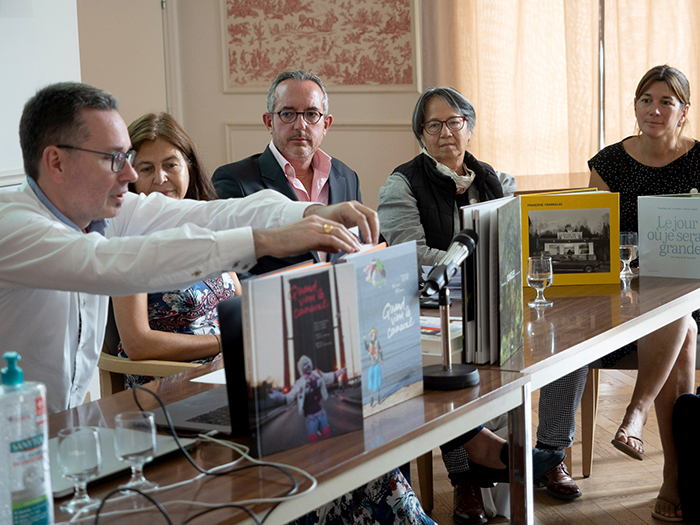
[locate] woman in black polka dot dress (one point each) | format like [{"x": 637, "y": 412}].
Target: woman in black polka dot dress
[{"x": 658, "y": 160}]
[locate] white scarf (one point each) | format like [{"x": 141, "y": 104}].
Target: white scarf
[{"x": 462, "y": 181}]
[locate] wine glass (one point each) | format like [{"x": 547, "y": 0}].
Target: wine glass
[
  {"x": 628, "y": 253},
  {"x": 539, "y": 276},
  {"x": 80, "y": 460},
  {"x": 135, "y": 445}
]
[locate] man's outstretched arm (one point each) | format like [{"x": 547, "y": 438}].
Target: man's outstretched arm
[{"x": 323, "y": 228}]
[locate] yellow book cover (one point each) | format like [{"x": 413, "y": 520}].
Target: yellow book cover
[{"x": 580, "y": 231}]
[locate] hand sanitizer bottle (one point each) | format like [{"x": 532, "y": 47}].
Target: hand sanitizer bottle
[{"x": 25, "y": 482}]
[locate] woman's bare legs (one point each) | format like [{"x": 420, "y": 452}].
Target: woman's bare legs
[
  {"x": 666, "y": 370},
  {"x": 657, "y": 355}
]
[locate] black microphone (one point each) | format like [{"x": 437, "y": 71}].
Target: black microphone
[{"x": 460, "y": 248}]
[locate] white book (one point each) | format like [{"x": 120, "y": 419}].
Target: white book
[{"x": 669, "y": 235}]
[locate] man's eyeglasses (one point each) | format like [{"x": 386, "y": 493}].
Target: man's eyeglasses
[
  {"x": 118, "y": 158},
  {"x": 288, "y": 116},
  {"x": 434, "y": 127}
]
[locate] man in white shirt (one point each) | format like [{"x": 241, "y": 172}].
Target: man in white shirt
[
  {"x": 297, "y": 117},
  {"x": 71, "y": 235}
]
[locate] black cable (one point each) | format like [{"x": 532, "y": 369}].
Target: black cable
[
  {"x": 295, "y": 484},
  {"x": 223, "y": 506},
  {"x": 127, "y": 489},
  {"x": 270, "y": 512},
  {"x": 173, "y": 432}
]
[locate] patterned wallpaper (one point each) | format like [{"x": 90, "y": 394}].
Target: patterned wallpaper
[{"x": 348, "y": 43}]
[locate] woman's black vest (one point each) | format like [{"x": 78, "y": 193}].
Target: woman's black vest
[{"x": 435, "y": 194}]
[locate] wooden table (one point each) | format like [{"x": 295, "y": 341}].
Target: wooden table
[
  {"x": 587, "y": 322},
  {"x": 389, "y": 439}
]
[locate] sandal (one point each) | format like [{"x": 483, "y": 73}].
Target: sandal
[
  {"x": 674, "y": 519},
  {"x": 627, "y": 449}
]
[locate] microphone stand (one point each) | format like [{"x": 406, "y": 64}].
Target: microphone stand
[{"x": 448, "y": 376}]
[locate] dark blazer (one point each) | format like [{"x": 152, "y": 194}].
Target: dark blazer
[{"x": 262, "y": 171}]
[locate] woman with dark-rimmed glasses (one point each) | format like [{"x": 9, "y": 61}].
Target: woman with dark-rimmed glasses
[{"x": 421, "y": 199}]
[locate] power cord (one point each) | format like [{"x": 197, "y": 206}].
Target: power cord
[
  {"x": 147, "y": 496},
  {"x": 187, "y": 454},
  {"x": 242, "y": 450},
  {"x": 226, "y": 505},
  {"x": 217, "y": 471}
]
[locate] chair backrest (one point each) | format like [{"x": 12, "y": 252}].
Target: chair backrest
[
  {"x": 110, "y": 382},
  {"x": 113, "y": 368},
  {"x": 112, "y": 338}
]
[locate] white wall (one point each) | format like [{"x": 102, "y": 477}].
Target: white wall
[
  {"x": 121, "y": 51},
  {"x": 38, "y": 46}
]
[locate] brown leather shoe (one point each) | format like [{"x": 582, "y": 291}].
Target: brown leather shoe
[
  {"x": 560, "y": 484},
  {"x": 468, "y": 505}
]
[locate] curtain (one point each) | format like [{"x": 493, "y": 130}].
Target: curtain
[
  {"x": 530, "y": 68},
  {"x": 641, "y": 34}
]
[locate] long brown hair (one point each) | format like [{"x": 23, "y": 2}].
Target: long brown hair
[{"x": 153, "y": 126}]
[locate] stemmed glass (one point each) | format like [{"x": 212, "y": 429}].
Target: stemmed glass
[
  {"x": 80, "y": 460},
  {"x": 135, "y": 445},
  {"x": 539, "y": 276},
  {"x": 628, "y": 253}
]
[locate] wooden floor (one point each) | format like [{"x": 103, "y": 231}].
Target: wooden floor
[{"x": 619, "y": 490}]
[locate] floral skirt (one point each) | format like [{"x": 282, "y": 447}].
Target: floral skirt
[{"x": 388, "y": 500}]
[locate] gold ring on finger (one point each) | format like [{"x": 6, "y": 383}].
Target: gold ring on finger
[{"x": 327, "y": 228}]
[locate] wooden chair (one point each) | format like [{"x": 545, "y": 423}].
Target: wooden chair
[
  {"x": 589, "y": 404},
  {"x": 113, "y": 368},
  {"x": 425, "y": 478}
]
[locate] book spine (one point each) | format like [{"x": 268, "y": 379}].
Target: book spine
[{"x": 247, "y": 310}]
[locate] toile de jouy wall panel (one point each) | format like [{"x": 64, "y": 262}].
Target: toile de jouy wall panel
[{"x": 352, "y": 45}]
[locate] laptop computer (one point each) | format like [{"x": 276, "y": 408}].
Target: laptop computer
[{"x": 211, "y": 410}]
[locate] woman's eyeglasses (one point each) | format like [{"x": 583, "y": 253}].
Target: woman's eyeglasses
[{"x": 434, "y": 127}]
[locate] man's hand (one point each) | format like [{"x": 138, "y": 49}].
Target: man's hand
[
  {"x": 323, "y": 228},
  {"x": 305, "y": 235},
  {"x": 350, "y": 213}
]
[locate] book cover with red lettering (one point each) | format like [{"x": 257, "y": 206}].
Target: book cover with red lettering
[
  {"x": 386, "y": 313},
  {"x": 304, "y": 385}
]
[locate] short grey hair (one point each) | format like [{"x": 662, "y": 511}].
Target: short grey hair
[
  {"x": 298, "y": 75},
  {"x": 452, "y": 98}
]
